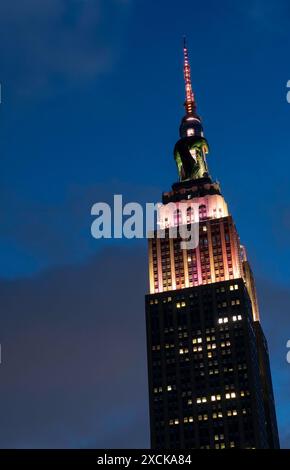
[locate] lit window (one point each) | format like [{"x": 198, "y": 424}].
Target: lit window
[
  {"x": 169, "y": 388},
  {"x": 213, "y": 398}
]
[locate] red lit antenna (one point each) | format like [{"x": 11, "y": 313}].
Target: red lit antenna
[{"x": 189, "y": 96}]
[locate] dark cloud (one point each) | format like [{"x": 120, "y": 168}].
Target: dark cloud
[
  {"x": 48, "y": 40},
  {"x": 73, "y": 370},
  {"x": 275, "y": 307},
  {"x": 74, "y": 356}
]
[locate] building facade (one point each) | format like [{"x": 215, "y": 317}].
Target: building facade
[{"x": 208, "y": 366}]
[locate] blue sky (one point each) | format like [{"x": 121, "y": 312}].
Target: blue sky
[{"x": 92, "y": 94}]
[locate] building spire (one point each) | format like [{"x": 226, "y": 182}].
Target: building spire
[
  {"x": 191, "y": 149},
  {"x": 189, "y": 104}
]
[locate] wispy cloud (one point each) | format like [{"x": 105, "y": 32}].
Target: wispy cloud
[
  {"x": 57, "y": 232},
  {"x": 267, "y": 15},
  {"x": 65, "y": 40}
]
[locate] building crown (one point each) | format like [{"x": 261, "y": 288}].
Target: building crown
[{"x": 190, "y": 151}]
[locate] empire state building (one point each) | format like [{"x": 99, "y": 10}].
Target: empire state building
[{"x": 209, "y": 375}]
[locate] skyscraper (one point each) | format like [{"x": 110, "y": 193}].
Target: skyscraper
[{"x": 208, "y": 366}]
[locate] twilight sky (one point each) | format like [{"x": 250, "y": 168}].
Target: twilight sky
[{"x": 92, "y": 94}]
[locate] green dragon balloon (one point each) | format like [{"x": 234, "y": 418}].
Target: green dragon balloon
[{"x": 189, "y": 154}]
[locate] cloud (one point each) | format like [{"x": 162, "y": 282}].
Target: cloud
[
  {"x": 58, "y": 40},
  {"x": 286, "y": 223},
  {"x": 267, "y": 15},
  {"x": 57, "y": 232},
  {"x": 275, "y": 306},
  {"x": 73, "y": 370}
]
